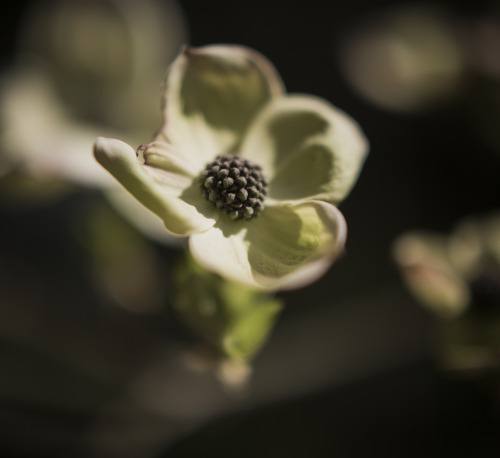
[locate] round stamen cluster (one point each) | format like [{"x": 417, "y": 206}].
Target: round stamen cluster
[{"x": 234, "y": 185}]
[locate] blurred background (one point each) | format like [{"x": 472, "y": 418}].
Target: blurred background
[{"x": 93, "y": 361}]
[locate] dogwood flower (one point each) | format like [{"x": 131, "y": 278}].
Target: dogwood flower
[
  {"x": 454, "y": 274},
  {"x": 80, "y": 66},
  {"x": 84, "y": 69},
  {"x": 250, "y": 174},
  {"x": 457, "y": 277},
  {"x": 409, "y": 58}
]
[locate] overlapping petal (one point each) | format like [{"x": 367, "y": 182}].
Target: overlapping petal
[
  {"x": 211, "y": 94},
  {"x": 288, "y": 246},
  {"x": 163, "y": 156},
  {"x": 309, "y": 149},
  {"x": 165, "y": 193}
]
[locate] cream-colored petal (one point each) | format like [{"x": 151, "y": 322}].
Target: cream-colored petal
[
  {"x": 144, "y": 220},
  {"x": 169, "y": 195},
  {"x": 293, "y": 245},
  {"x": 57, "y": 147},
  {"x": 287, "y": 246},
  {"x": 159, "y": 154},
  {"x": 210, "y": 96},
  {"x": 223, "y": 250},
  {"x": 308, "y": 149}
]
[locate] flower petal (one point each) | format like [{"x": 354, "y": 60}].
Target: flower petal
[
  {"x": 145, "y": 221},
  {"x": 293, "y": 245},
  {"x": 56, "y": 147},
  {"x": 211, "y": 95},
  {"x": 309, "y": 149},
  {"x": 287, "y": 247},
  {"x": 166, "y": 157},
  {"x": 166, "y": 194}
]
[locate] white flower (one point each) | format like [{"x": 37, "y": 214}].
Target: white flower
[
  {"x": 457, "y": 277},
  {"x": 225, "y": 107},
  {"x": 85, "y": 69},
  {"x": 456, "y": 273},
  {"x": 406, "y": 59}
]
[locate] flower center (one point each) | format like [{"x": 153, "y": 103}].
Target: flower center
[{"x": 234, "y": 185}]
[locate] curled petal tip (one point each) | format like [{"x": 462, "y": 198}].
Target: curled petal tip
[{"x": 106, "y": 149}]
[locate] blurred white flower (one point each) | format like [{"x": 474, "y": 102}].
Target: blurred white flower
[
  {"x": 405, "y": 59},
  {"x": 457, "y": 277},
  {"x": 452, "y": 274},
  {"x": 86, "y": 68}
]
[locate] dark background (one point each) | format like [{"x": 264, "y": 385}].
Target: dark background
[{"x": 374, "y": 388}]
